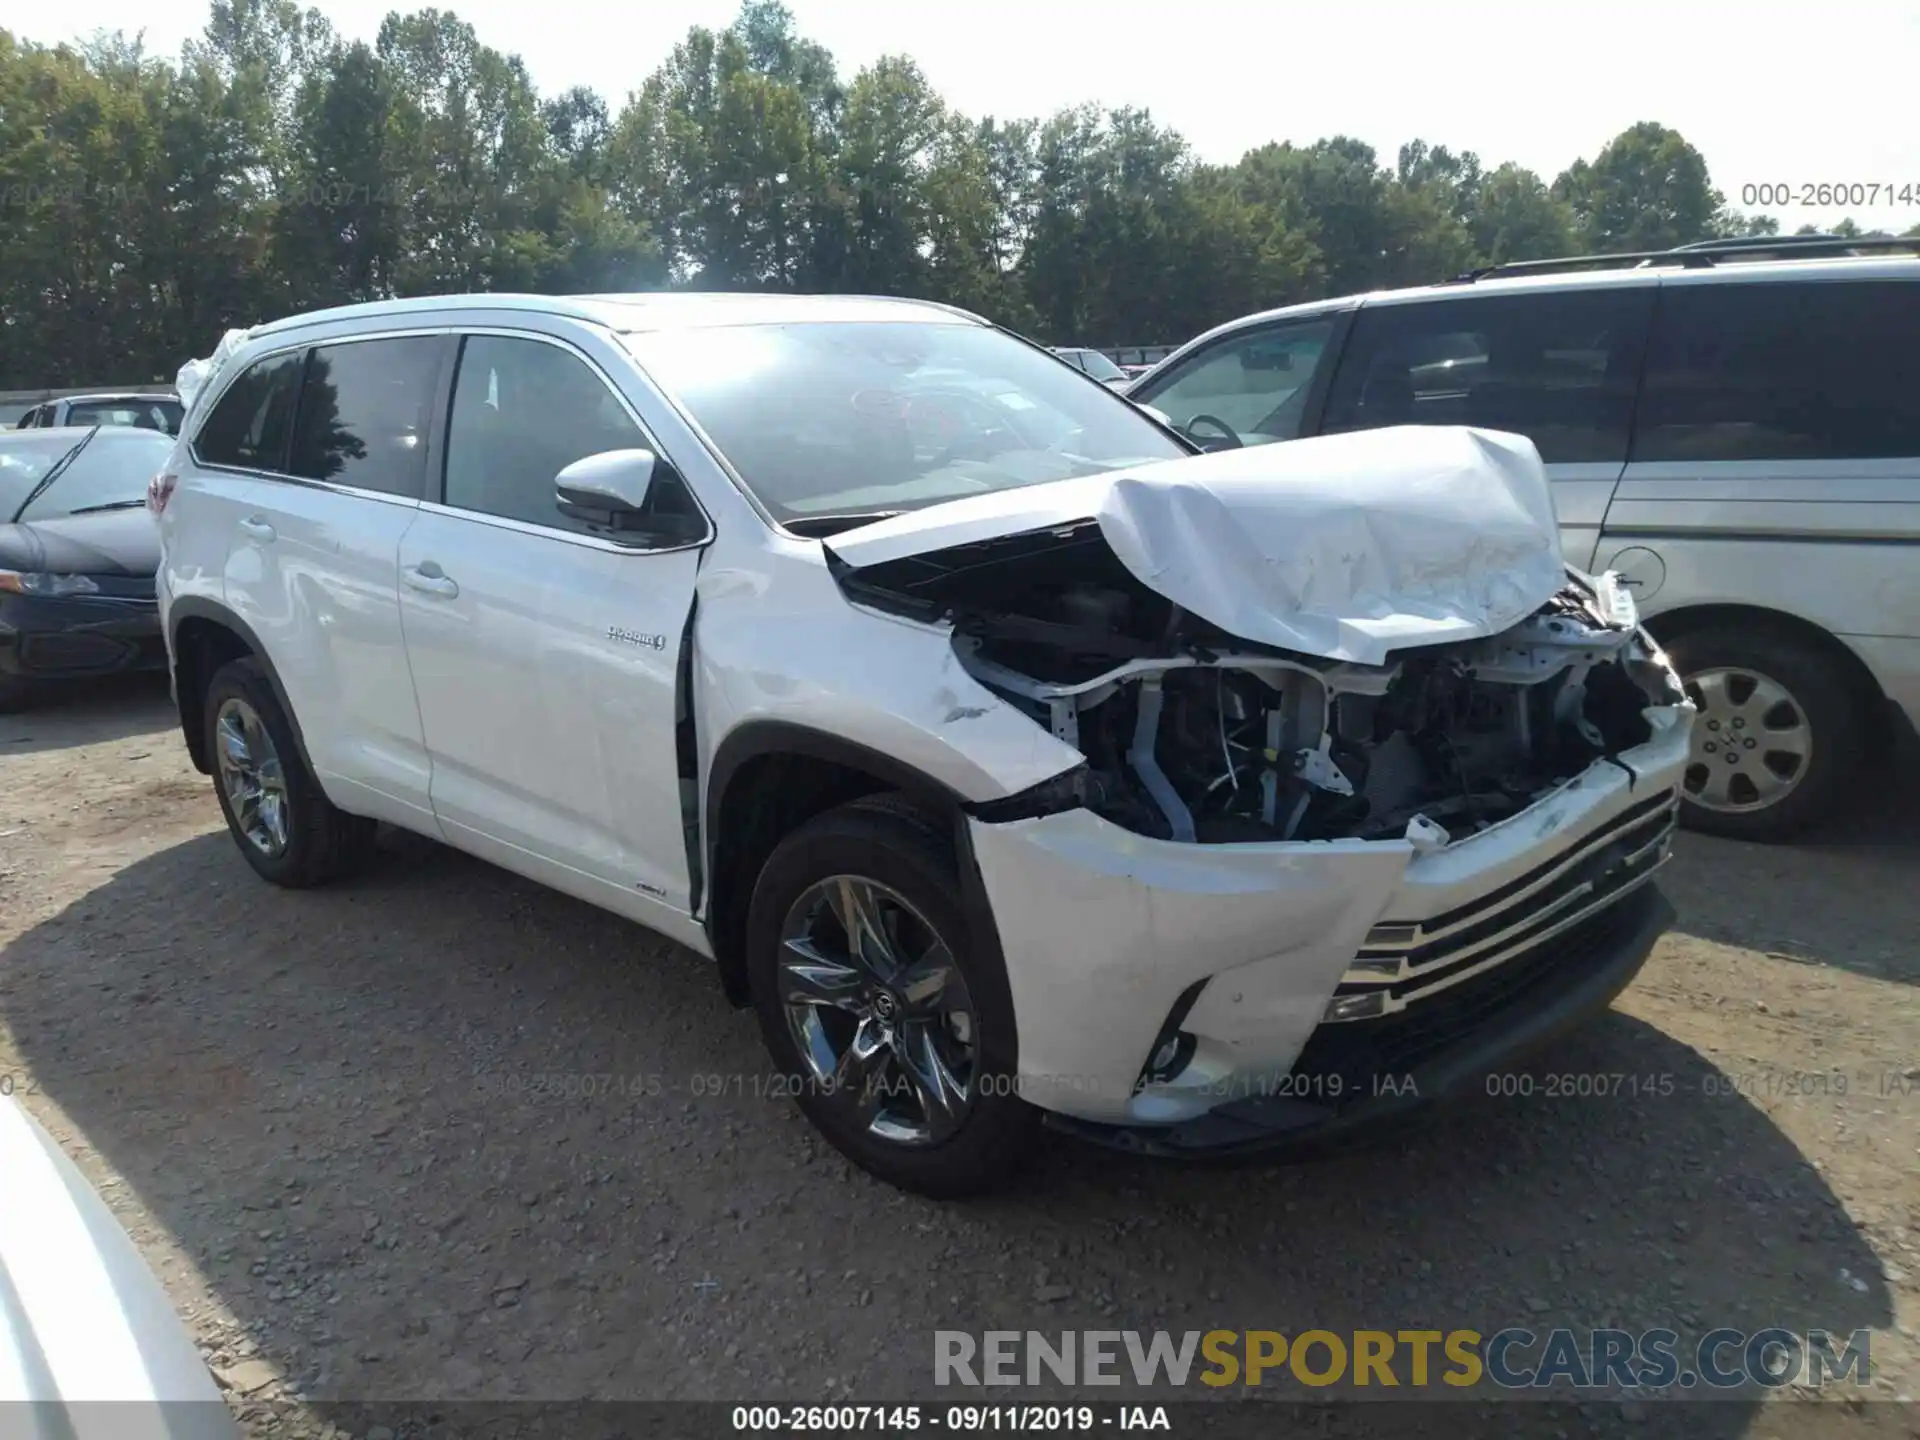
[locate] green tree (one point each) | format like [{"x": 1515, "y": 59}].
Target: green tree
[
  {"x": 1648, "y": 189},
  {"x": 151, "y": 204},
  {"x": 1518, "y": 218}
]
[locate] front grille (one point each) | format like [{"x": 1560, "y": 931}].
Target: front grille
[
  {"x": 59, "y": 651},
  {"x": 1398, "y": 1044},
  {"x": 1403, "y": 961}
]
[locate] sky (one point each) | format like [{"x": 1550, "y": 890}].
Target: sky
[{"x": 1777, "y": 94}]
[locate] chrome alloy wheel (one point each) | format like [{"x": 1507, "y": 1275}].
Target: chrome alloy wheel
[
  {"x": 878, "y": 1010},
  {"x": 251, "y": 776},
  {"x": 1752, "y": 741}
]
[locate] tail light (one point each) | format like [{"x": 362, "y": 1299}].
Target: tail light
[{"x": 160, "y": 490}]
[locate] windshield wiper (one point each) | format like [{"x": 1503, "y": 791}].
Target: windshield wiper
[
  {"x": 818, "y": 527},
  {"x": 59, "y": 466},
  {"x": 110, "y": 505}
]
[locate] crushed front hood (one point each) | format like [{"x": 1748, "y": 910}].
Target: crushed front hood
[{"x": 1347, "y": 546}]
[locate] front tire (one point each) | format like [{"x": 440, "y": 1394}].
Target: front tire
[
  {"x": 1778, "y": 737},
  {"x": 894, "y": 1026},
  {"x": 276, "y": 812}
]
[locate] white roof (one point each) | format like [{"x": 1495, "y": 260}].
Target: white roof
[{"x": 667, "y": 310}]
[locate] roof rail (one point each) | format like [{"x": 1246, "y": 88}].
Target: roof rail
[
  {"x": 1624, "y": 260},
  {"x": 1764, "y": 242},
  {"x": 1707, "y": 253}
]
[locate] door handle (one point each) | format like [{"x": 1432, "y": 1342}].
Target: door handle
[
  {"x": 257, "y": 528},
  {"x": 428, "y": 579}
]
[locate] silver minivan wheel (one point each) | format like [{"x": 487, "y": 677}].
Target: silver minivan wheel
[{"x": 1752, "y": 740}]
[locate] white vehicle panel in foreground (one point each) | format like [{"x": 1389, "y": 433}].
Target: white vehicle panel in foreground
[{"x": 87, "y": 1334}]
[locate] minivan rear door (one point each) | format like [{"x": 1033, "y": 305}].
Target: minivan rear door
[{"x": 1559, "y": 365}]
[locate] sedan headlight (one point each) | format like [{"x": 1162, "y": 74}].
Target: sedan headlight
[{"x": 27, "y": 583}]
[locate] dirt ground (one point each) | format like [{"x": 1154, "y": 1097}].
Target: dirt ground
[{"x": 346, "y": 1129}]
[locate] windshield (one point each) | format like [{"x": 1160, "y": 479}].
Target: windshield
[
  {"x": 1100, "y": 367},
  {"x": 25, "y": 460},
  {"x": 864, "y": 417},
  {"x": 111, "y": 473}
]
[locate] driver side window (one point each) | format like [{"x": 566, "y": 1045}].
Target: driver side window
[
  {"x": 1254, "y": 384},
  {"x": 523, "y": 410}
]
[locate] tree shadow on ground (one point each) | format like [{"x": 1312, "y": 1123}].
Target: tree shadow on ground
[{"x": 87, "y": 712}]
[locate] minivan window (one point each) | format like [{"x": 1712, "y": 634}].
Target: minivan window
[
  {"x": 1809, "y": 370},
  {"x": 248, "y": 427},
  {"x": 523, "y": 411},
  {"x": 161, "y": 414},
  {"x": 364, "y": 413},
  {"x": 832, "y": 419},
  {"x": 1254, "y": 385},
  {"x": 1558, "y": 367}
]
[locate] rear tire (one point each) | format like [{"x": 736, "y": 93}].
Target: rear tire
[
  {"x": 1787, "y": 699},
  {"x": 884, "y": 1121},
  {"x": 276, "y": 812}
]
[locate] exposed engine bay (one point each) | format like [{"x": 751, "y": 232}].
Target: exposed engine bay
[{"x": 1191, "y": 734}]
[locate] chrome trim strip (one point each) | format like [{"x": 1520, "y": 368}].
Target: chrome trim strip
[
  {"x": 566, "y": 537},
  {"x": 1531, "y": 917},
  {"x": 1393, "y": 1005},
  {"x": 1597, "y": 840}
]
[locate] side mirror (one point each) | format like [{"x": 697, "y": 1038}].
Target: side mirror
[
  {"x": 1160, "y": 415},
  {"x": 608, "y": 489}
]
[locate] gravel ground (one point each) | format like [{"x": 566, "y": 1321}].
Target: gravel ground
[{"x": 339, "y": 1126}]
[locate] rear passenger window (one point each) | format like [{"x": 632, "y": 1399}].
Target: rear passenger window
[
  {"x": 364, "y": 413},
  {"x": 1768, "y": 371},
  {"x": 1559, "y": 368},
  {"x": 248, "y": 428},
  {"x": 523, "y": 411}
]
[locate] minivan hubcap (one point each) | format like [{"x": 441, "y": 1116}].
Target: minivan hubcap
[
  {"x": 251, "y": 776},
  {"x": 1751, "y": 740},
  {"x": 878, "y": 1010}
]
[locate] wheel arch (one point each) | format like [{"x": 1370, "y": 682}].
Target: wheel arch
[
  {"x": 767, "y": 778},
  {"x": 1669, "y": 625},
  {"x": 201, "y": 637}
]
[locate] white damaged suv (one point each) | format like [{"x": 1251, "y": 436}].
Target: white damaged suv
[{"x": 1010, "y": 759}]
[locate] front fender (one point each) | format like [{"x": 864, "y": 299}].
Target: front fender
[{"x": 779, "y": 643}]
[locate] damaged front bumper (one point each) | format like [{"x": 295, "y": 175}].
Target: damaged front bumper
[{"x": 1196, "y": 998}]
